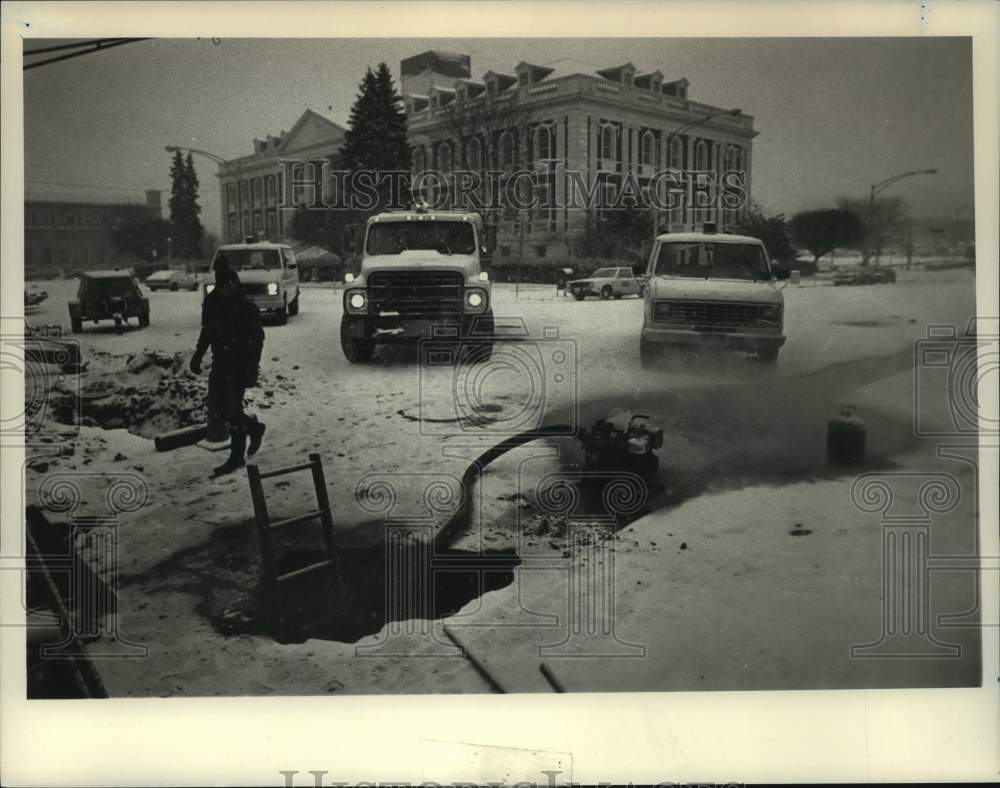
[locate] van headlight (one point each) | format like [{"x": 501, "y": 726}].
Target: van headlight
[
  {"x": 272, "y": 288},
  {"x": 475, "y": 299},
  {"x": 770, "y": 314},
  {"x": 209, "y": 288},
  {"x": 357, "y": 301}
]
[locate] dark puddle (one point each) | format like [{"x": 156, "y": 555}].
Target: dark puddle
[{"x": 365, "y": 589}]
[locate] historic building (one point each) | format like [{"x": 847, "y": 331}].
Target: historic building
[
  {"x": 251, "y": 186},
  {"x": 61, "y": 236},
  {"x": 603, "y": 124}
]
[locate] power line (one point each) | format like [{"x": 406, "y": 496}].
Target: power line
[
  {"x": 85, "y": 186},
  {"x": 85, "y": 47},
  {"x": 205, "y": 196}
]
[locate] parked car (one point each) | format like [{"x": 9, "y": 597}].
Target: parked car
[
  {"x": 108, "y": 295},
  {"x": 34, "y": 297},
  {"x": 172, "y": 280},
  {"x": 608, "y": 283},
  {"x": 864, "y": 275},
  {"x": 269, "y": 275},
  {"x": 711, "y": 289}
]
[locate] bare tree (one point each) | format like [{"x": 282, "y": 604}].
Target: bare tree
[
  {"x": 479, "y": 123},
  {"x": 884, "y": 220}
]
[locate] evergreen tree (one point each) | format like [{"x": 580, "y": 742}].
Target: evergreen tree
[
  {"x": 184, "y": 209},
  {"x": 195, "y": 229},
  {"x": 376, "y": 135}
]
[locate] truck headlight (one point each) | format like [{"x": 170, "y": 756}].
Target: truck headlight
[
  {"x": 209, "y": 288},
  {"x": 662, "y": 310},
  {"x": 358, "y": 301},
  {"x": 475, "y": 299},
  {"x": 769, "y": 314},
  {"x": 272, "y": 288}
]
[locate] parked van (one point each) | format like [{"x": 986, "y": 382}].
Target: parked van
[{"x": 269, "y": 275}]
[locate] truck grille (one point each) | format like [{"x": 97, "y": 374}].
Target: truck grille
[
  {"x": 416, "y": 292},
  {"x": 254, "y": 288},
  {"x": 712, "y": 313}
]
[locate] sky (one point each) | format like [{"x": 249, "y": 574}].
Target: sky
[{"x": 833, "y": 115}]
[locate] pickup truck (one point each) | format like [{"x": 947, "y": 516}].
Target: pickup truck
[{"x": 608, "y": 283}]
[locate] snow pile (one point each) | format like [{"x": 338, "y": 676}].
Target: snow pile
[{"x": 147, "y": 393}]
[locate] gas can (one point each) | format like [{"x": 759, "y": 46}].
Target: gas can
[{"x": 845, "y": 438}]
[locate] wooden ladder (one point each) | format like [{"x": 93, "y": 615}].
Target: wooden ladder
[{"x": 272, "y": 581}]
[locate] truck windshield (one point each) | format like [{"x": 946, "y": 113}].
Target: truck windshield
[
  {"x": 713, "y": 261},
  {"x": 253, "y": 259},
  {"x": 604, "y": 273},
  {"x": 442, "y": 237}
]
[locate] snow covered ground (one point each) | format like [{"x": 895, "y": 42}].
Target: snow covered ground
[{"x": 712, "y": 589}]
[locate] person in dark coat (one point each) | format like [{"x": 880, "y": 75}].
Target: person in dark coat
[{"x": 223, "y": 315}]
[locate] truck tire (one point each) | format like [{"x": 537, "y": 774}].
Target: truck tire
[
  {"x": 478, "y": 345},
  {"x": 650, "y": 354},
  {"x": 174, "y": 287},
  {"x": 356, "y": 350},
  {"x": 293, "y": 308},
  {"x": 578, "y": 296},
  {"x": 617, "y": 296},
  {"x": 144, "y": 320},
  {"x": 119, "y": 325},
  {"x": 606, "y": 292},
  {"x": 281, "y": 316}
]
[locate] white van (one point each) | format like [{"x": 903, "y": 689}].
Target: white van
[{"x": 269, "y": 275}]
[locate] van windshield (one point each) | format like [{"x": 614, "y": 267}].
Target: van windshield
[
  {"x": 442, "y": 237},
  {"x": 253, "y": 259},
  {"x": 713, "y": 261}
]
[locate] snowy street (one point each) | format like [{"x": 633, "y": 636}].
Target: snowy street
[{"x": 747, "y": 531}]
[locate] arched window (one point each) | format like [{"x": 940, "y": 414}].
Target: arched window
[
  {"x": 444, "y": 157},
  {"x": 609, "y": 144},
  {"x": 701, "y": 155},
  {"x": 474, "y": 154},
  {"x": 677, "y": 153},
  {"x": 647, "y": 151},
  {"x": 732, "y": 160},
  {"x": 506, "y": 150},
  {"x": 543, "y": 142},
  {"x": 298, "y": 190}
]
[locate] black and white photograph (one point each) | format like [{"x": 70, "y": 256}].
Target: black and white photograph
[{"x": 450, "y": 365}]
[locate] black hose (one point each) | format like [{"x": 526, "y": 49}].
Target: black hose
[{"x": 461, "y": 516}]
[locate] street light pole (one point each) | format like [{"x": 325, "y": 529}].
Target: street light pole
[
  {"x": 671, "y": 136},
  {"x": 213, "y": 156},
  {"x": 878, "y": 188}
]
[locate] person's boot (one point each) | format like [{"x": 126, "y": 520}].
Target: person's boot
[
  {"x": 255, "y": 429},
  {"x": 237, "y": 446}
]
